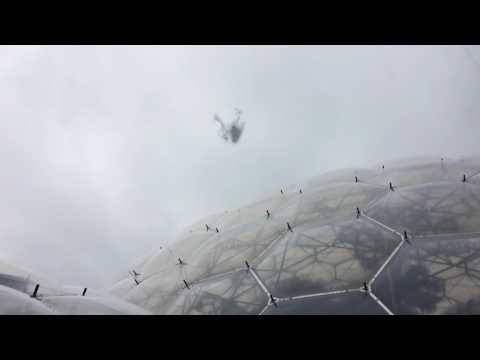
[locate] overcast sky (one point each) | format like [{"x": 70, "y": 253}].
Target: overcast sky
[{"x": 107, "y": 152}]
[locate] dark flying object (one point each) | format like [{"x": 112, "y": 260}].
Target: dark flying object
[{"x": 231, "y": 132}]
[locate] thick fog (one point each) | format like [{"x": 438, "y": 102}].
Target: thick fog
[{"x": 107, "y": 152}]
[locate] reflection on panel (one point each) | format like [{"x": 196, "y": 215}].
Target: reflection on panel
[
  {"x": 243, "y": 215},
  {"x": 183, "y": 248},
  {"x": 353, "y": 303},
  {"x": 342, "y": 175},
  {"x": 215, "y": 253},
  {"x": 258, "y": 209},
  {"x": 431, "y": 208},
  {"x": 234, "y": 294},
  {"x": 401, "y": 175},
  {"x": 242, "y": 243},
  {"x": 319, "y": 259},
  {"x": 324, "y": 205},
  {"x": 154, "y": 291},
  {"x": 439, "y": 275}
]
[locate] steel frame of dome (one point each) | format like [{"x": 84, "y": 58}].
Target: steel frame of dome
[{"x": 367, "y": 289}]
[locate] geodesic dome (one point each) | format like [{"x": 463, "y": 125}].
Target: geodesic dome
[{"x": 398, "y": 238}]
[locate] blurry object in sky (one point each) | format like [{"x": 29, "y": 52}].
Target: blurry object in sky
[{"x": 231, "y": 132}]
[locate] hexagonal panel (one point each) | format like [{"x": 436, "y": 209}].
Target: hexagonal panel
[
  {"x": 353, "y": 303},
  {"x": 327, "y": 204},
  {"x": 430, "y": 208},
  {"x": 322, "y": 259},
  {"x": 258, "y": 209},
  {"x": 402, "y": 174},
  {"x": 245, "y": 242},
  {"x": 246, "y": 214},
  {"x": 437, "y": 275},
  {"x": 341, "y": 175},
  {"x": 154, "y": 290},
  {"x": 167, "y": 260},
  {"x": 208, "y": 253},
  {"x": 234, "y": 294}
]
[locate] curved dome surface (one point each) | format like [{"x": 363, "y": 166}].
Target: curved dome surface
[
  {"x": 25, "y": 293},
  {"x": 432, "y": 208},
  {"x": 14, "y": 302},
  {"x": 398, "y": 238},
  {"x": 91, "y": 305}
]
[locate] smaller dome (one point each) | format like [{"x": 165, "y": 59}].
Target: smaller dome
[
  {"x": 14, "y": 302},
  {"x": 92, "y": 305}
]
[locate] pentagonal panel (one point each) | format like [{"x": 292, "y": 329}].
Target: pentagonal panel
[
  {"x": 430, "y": 208},
  {"x": 327, "y": 258},
  {"x": 439, "y": 275},
  {"x": 353, "y": 303}
]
